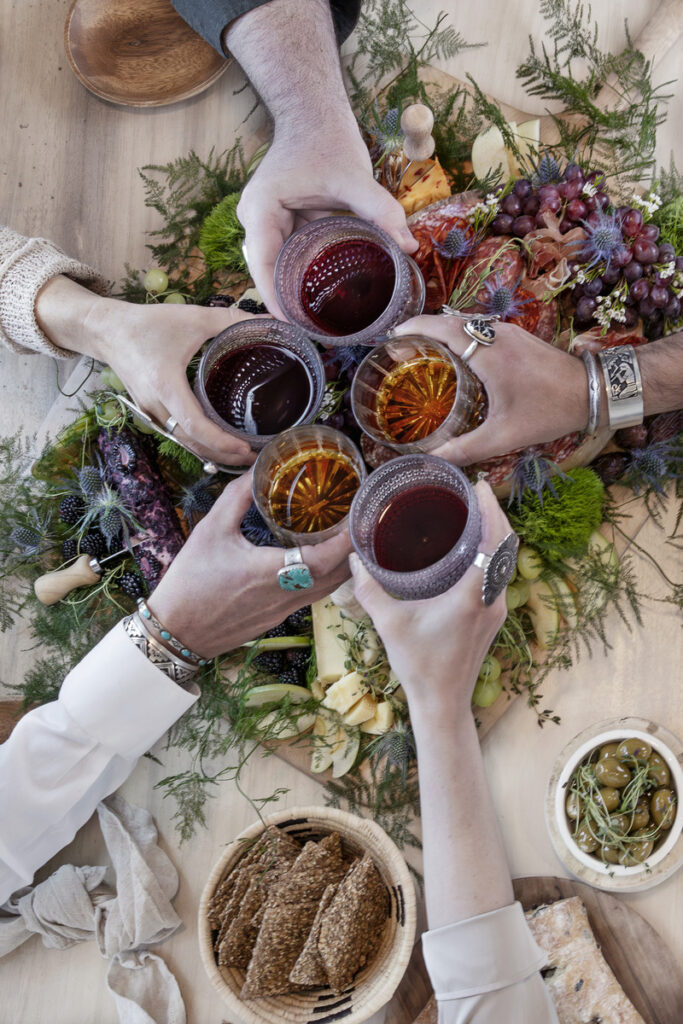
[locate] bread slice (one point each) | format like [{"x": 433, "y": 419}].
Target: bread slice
[{"x": 582, "y": 985}]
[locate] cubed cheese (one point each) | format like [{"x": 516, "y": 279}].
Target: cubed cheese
[{"x": 343, "y": 694}]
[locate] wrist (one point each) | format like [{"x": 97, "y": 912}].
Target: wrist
[{"x": 68, "y": 314}]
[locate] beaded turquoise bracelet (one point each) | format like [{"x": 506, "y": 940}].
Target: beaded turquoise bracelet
[{"x": 185, "y": 652}]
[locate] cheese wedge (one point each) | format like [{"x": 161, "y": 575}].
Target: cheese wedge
[
  {"x": 343, "y": 694},
  {"x": 330, "y": 651},
  {"x": 527, "y": 137},
  {"x": 362, "y": 711},
  {"x": 489, "y": 152},
  {"x": 382, "y": 721}
]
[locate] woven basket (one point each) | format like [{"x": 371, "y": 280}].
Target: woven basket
[{"x": 375, "y": 984}]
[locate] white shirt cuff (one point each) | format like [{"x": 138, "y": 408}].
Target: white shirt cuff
[
  {"x": 481, "y": 954},
  {"x": 116, "y": 675}
]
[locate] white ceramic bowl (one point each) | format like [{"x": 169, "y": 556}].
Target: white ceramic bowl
[{"x": 666, "y": 859}]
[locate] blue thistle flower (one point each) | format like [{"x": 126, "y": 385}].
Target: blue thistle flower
[
  {"x": 348, "y": 357},
  {"x": 387, "y": 131},
  {"x": 501, "y": 300},
  {"x": 457, "y": 245},
  {"x": 602, "y": 239},
  {"x": 255, "y": 529},
  {"x": 90, "y": 480},
  {"x": 651, "y": 468},
  {"x": 533, "y": 472},
  {"x": 196, "y": 500},
  {"x": 547, "y": 171}
]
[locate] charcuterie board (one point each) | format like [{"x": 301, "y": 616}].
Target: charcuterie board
[{"x": 640, "y": 960}]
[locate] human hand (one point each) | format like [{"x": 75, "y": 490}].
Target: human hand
[
  {"x": 149, "y": 348},
  {"x": 221, "y": 590},
  {"x": 304, "y": 177},
  {"x": 436, "y": 646},
  {"x": 536, "y": 392}
]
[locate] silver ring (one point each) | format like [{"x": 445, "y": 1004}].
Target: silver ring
[
  {"x": 295, "y": 574},
  {"x": 244, "y": 253},
  {"x": 498, "y": 567},
  {"x": 170, "y": 424}
]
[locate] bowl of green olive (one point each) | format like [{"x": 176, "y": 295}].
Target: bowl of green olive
[{"x": 612, "y": 806}]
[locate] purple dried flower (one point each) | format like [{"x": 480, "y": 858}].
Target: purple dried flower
[
  {"x": 457, "y": 245},
  {"x": 502, "y": 300},
  {"x": 603, "y": 238},
  {"x": 535, "y": 473}
]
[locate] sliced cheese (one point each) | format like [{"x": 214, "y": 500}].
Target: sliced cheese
[
  {"x": 382, "y": 721},
  {"x": 362, "y": 711},
  {"x": 317, "y": 689},
  {"x": 343, "y": 694},
  {"x": 330, "y": 651}
]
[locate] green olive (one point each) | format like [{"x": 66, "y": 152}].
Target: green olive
[
  {"x": 609, "y": 750},
  {"x": 634, "y": 747},
  {"x": 619, "y": 823},
  {"x": 609, "y": 854},
  {"x": 574, "y": 806},
  {"x": 636, "y": 853},
  {"x": 658, "y": 770},
  {"x": 610, "y": 798},
  {"x": 663, "y": 807},
  {"x": 611, "y": 772},
  {"x": 641, "y": 815},
  {"x": 583, "y": 838}
]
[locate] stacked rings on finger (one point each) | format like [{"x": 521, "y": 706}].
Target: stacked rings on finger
[
  {"x": 295, "y": 574},
  {"x": 498, "y": 568},
  {"x": 170, "y": 424}
]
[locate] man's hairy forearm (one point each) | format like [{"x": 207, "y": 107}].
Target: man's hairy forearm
[
  {"x": 661, "y": 368},
  {"x": 288, "y": 50}
]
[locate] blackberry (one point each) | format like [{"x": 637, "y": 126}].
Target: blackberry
[
  {"x": 269, "y": 661},
  {"x": 125, "y": 458},
  {"x": 132, "y": 585},
  {"x": 280, "y": 630},
  {"x": 610, "y": 467},
  {"x": 299, "y": 621},
  {"x": 255, "y": 528},
  {"x": 149, "y": 566},
  {"x": 93, "y": 544},
  {"x": 221, "y": 299},
  {"x": 291, "y": 677},
  {"x": 251, "y": 306},
  {"x": 69, "y": 549},
  {"x": 71, "y": 509},
  {"x": 298, "y": 659}
]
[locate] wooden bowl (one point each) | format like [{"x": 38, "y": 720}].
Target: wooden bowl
[
  {"x": 375, "y": 984},
  {"x": 138, "y": 53},
  {"x": 614, "y": 877}
]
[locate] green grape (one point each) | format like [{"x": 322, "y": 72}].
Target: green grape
[
  {"x": 517, "y": 594},
  {"x": 528, "y": 563},
  {"x": 486, "y": 692},
  {"x": 111, "y": 380},
  {"x": 155, "y": 281},
  {"x": 490, "y": 669},
  {"x": 176, "y": 298}
]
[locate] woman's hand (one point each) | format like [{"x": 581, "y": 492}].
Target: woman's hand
[
  {"x": 149, "y": 348},
  {"x": 436, "y": 646},
  {"x": 536, "y": 392},
  {"x": 221, "y": 590}
]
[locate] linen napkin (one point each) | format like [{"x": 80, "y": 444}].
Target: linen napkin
[{"x": 73, "y": 905}]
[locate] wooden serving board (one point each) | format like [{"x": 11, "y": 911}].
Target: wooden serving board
[{"x": 642, "y": 963}]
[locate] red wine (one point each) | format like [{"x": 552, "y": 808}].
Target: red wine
[
  {"x": 261, "y": 389},
  {"x": 348, "y": 286},
  {"x": 417, "y": 527}
]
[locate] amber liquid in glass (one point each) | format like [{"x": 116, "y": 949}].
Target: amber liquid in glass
[
  {"x": 348, "y": 286},
  {"x": 418, "y": 527},
  {"x": 415, "y": 398},
  {"x": 313, "y": 490},
  {"x": 261, "y": 389}
]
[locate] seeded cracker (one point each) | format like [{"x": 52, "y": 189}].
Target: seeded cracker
[
  {"x": 352, "y": 925},
  {"x": 239, "y": 940},
  {"x": 309, "y": 970},
  {"x": 289, "y": 914}
]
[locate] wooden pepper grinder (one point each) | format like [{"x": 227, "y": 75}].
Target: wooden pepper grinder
[{"x": 417, "y": 122}]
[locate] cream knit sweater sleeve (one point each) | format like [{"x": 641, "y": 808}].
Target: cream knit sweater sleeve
[{"x": 26, "y": 264}]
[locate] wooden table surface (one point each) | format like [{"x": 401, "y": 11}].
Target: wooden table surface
[{"x": 68, "y": 171}]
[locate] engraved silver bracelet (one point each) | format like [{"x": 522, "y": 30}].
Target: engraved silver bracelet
[
  {"x": 623, "y": 385},
  {"x": 159, "y": 656},
  {"x": 594, "y": 391}
]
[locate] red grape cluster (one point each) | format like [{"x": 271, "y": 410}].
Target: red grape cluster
[{"x": 621, "y": 256}]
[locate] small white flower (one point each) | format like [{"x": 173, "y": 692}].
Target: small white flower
[
  {"x": 581, "y": 277},
  {"x": 589, "y": 189},
  {"x": 668, "y": 270}
]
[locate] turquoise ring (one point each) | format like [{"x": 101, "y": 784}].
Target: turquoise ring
[{"x": 295, "y": 574}]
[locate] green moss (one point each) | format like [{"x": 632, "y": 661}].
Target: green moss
[
  {"x": 222, "y": 235},
  {"x": 669, "y": 219},
  {"x": 187, "y": 462},
  {"x": 561, "y": 527}
]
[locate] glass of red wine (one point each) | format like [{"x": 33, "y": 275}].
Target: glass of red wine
[
  {"x": 412, "y": 394},
  {"x": 344, "y": 281},
  {"x": 259, "y": 377},
  {"x": 304, "y": 482},
  {"x": 415, "y": 524}
]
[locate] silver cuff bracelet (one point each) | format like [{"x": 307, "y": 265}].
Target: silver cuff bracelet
[
  {"x": 594, "y": 391},
  {"x": 623, "y": 385}
]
